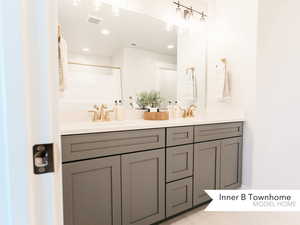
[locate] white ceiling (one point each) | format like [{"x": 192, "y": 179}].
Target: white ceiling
[{"x": 130, "y": 27}]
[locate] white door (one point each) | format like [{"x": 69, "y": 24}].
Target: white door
[{"x": 28, "y": 111}]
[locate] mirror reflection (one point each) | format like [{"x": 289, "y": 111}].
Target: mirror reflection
[{"x": 115, "y": 55}]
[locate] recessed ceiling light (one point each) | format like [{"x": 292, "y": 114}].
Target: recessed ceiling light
[
  {"x": 105, "y": 32},
  {"x": 86, "y": 49},
  {"x": 94, "y": 19},
  {"x": 170, "y": 46}
]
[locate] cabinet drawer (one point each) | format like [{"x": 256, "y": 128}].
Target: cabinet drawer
[
  {"x": 218, "y": 131},
  {"x": 179, "y": 196},
  {"x": 180, "y": 135},
  {"x": 76, "y": 147},
  {"x": 179, "y": 162}
]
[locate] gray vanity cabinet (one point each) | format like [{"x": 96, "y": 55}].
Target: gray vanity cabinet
[
  {"x": 206, "y": 165},
  {"x": 92, "y": 192},
  {"x": 141, "y": 177},
  {"x": 231, "y": 163},
  {"x": 143, "y": 187}
]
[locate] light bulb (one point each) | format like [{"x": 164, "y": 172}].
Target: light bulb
[
  {"x": 178, "y": 10},
  {"x": 202, "y": 18}
]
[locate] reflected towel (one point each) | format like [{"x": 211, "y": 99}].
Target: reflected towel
[{"x": 63, "y": 63}]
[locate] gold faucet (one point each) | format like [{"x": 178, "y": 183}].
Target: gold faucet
[
  {"x": 189, "y": 112},
  {"x": 100, "y": 113}
]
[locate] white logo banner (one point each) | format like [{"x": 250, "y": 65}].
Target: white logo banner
[{"x": 254, "y": 200}]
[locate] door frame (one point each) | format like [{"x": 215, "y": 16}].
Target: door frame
[{"x": 29, "y": 96}]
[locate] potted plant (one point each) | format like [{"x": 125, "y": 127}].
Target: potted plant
[
  {"x": 142, "y": 100},
  {"x": 151, "y": 101}
]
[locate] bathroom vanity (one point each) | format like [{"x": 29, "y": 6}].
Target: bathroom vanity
[
  {"x": 120, "y": 169},
  {"x": 146, "y": 175}
]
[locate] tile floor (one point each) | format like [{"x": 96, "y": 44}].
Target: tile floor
[{"x": 199, "y": 217}]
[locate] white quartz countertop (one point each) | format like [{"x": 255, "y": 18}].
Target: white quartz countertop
[{"x": 96, "y": 127}]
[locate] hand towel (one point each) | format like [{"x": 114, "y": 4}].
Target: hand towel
[
  {"x": 191, "y": 89},
  {"x": 223, "y": 81}
]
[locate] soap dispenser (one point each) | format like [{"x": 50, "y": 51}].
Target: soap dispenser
[
  {"x": 171, "y": 110},
  {"x": 115, "y": 110},
  {"x": 120, "y": 111},
  {"x": 176, "y": 110}
]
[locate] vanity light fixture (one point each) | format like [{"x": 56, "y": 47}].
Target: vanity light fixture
[
  {"x": 85, "y": 49},
  {"x": 105, "y": 32},
  {"x": 170, "y": 46},
  {"x": 188, "y": 12}
]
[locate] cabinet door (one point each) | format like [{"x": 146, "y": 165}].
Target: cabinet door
[
  {"x": 92, "y": 192},
  {"x": 143, "y": 187},
  {"x": 231, "y": 163},
  {"x": 206, "y": 174}
]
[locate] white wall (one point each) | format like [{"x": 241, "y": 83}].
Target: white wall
[
  {"x": 276, "y": 155},
  {"x": 5, "y": 209},
  {"x": 87, "y": 85},
  {"x": 232, "y": 34},
  {"x": 140, "y": 69},
  {"x": 191, "y": 52}
]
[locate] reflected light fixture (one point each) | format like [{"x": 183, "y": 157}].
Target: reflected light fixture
[
  {"x": 170, "y": 46},
  {"x": 188, "y": 12},
  {"x": 85, "y": 49}
]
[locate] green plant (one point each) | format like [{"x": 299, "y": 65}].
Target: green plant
[
  {"x": 155, "y": 99},
  {"x": 142, "y": 100},
  {"x": 149, "y": 99}
]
